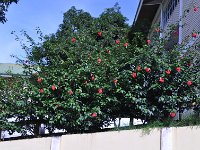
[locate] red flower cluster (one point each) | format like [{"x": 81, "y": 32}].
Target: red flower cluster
[
  {"x": 148, "y": 70},
  {"x": 125, "y": 45},
  {"x": 39, "y": 80},
  {"x": 53, "y": 87},
  {"x": 134, "y": 75},
  {"x": 168, "y": 71},
  {"x": 73, "y": 40},
  {"x": 178, "y": 69},
  {"x": 100, "y": 91},
  {"x": 194, "y": 35},
  {"x": 148, "y": 42},
  {"x": 70, "y": 92},
  {"x": 117, "y": 42},
  {"x": 161, "y": 80},
  {"x": 172, "y": 114},
  {"x": 189, "y": 83},
  {"x": 99, "y": 33},
  {"x": 195, "y": 8},
  {"x": 94, "y": 114},
  {"x": 41, "y": 91},
  {"x": 99, "y": 60},
  {"x": 115, "y": 81}
]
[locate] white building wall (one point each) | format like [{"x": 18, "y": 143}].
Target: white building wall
[{"x": 191, "y": 21}]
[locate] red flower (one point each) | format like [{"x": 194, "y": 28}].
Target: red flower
[
  {"x": 194, "y": 35},
  {"x": 115, "y": 81},
  {"x": 53, "y": 87},
  {"x": 189, "y": 83},
  {"x": 41, "y": 91},
  {"x": 178, "y": 69},
  {"x": 100, "y": 91},
  {"x": 108, "y": 51},
  {"x": 92, "y": 78},
  {"x": 138, "y": 68},
  {"x": 188, "y": 64},
  {"x": 99, "y": 33},
  {"x": 99, "y": 60},
  {"x": 195, "y": 8},
  {"x": 73, "y": 40},
  {"x": 70, "y": 92},
  {"x": 148, "y": 42},
  {"x": 161, "y": 80},
  {"x": 94, "y": 114},
  {"x": 148, "y": 70},
  {"x": 39, "y": 80},
  {"x": 134, "y": 75},
  {"x": 168, "y": 71},
  {"x": 172, "y": 114},
  {"x": 117, "y": 42},
  {"x": 125, "y": 45}
]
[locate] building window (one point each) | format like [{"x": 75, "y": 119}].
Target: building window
[{"x": 168, "y": 10}]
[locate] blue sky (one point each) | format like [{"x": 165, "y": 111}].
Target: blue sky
[{"x": 48, "y": 14}]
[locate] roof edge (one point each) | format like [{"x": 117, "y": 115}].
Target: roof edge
[{"x": 138, "y": 11}]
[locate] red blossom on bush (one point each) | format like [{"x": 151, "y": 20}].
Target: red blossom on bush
[
  {"x": 99, "y": 60},
  {"x": 195, "y": 8},
  {"x": 107, "y": 51},
  {"x": 189, "y": 83},
  {"x": 73, "y": 40},
  {"x": 39, "y": 80},
  {"x": 70, "y": 92},
  {"x": 148, "y": 42},
  {"x": 178, "y": 69},
  {"x": 172, "y": 114},
  {"x": 161, "y": 80},
  {"x": 194, "y": 35},
  {"x": 99, "y": 33},
  {"x": 148, "y": 70},
  {"x": 134, "y": 75},
  {"x": 189, "y": 64},
  {"x": 117, "y": 42},
  {"x": 94, "y": 114},
  {"x": 168, "y": 71},
  {"x": 115, "y": 81},
  {"x": 125, "y": 45},
  {"x": 41, "y": 91},
  {"x": 53, "y": 87},
  {"x": 138, "y": 68},
  {"x": 100, "y": 91}
]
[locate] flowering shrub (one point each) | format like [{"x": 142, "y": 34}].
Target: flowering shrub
[{"x": 88, "y": 74}]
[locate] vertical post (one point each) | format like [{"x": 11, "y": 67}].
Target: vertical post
[
  {"x": 180, "y": 22},
  {"x": 55, "y": 143},
  {"x": 166, "y": 139}
]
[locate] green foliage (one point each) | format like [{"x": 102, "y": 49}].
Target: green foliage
[
  {"x": 87, "y": 74},
  {"x": 4, "y": 7}
]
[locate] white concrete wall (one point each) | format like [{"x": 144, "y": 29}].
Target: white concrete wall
[{"x": 182, "y": 138}]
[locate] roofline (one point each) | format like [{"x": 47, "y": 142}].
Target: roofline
[{"x": 138, "y": 11}]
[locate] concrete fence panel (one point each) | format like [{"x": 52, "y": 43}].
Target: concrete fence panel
[
  {"x": 186, "y": 138},
  {"x": 128, "y": 140},
  {"x": 27, "y": 144}
]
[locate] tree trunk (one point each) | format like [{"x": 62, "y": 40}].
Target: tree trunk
[
  {"x": 119, "y": 122},
  {"x": 131, "y": 121},
  {"x": 36, "y": 129}
]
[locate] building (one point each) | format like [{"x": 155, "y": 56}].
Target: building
[
  {"x": 7, "y": 70},
  {"x": 184, "y": 14}
]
